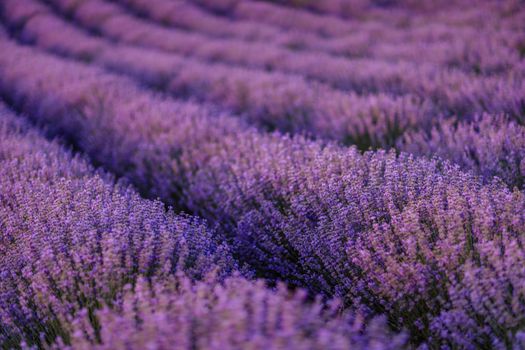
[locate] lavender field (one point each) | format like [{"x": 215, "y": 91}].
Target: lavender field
[{"x": 256, "y": 174}]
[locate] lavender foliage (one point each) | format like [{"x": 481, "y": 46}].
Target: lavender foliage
[
  {"x": 342, "y": 159},
  {"x": 386, "y": 233},
  {"x": 72, "y": 238},
  {"x": 78, "y": 252},
  {"x": 277, "y": 101},
  {"x": 236, "y": 314},
  {"x": 453, "y": 89},
  {"x": 268, "y": 100},
  {"x": 489, "y": 145}
]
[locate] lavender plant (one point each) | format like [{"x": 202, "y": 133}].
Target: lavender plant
[
  {"x": 272, "y": 100},
  {"x": 424, "y": 232},
  {"x": 72, "y": 238},
  {"x": 184, "y": 14},
  {"x": 236, "y": 314},
  {"x": 73, "y": 241},
  {"x": 390, "y": 234},
  {"x": 490, "y": 146},
  {"x": 287, "y": 18}
]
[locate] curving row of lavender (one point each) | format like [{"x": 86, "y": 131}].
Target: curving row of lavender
[
  {"x": 466, "y": 48},
  {"x": 453, "y": 90},
  {"x": 399, "y": 37},
  {"x": 430, "y": 241},
  {"x": 409, "y": 238},
  {"x": 393, "y": 12},
  {"x": 237, "y": 314},
  {"x": 496, "y": 145},
  {"x": 72, "y": 237},
  {"x": 269, "y": 100},
  {"x": 74, "y": 241}
]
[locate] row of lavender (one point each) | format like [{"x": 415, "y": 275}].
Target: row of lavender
[
  {"x": 467, "y": 130},
  {"x": 452, "y": 13},
  {"x": 453, "y": 90},
  {"x": 410, "y": 238},
  {"x": 472, "y": 12},
  {"x": 74, "y": 241},
  {"x": 273, "y": 100},
  {"x": 496, "y": 144},
  {"x": 400, "y": 37}
]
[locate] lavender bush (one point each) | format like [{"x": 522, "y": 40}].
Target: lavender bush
[
  {"x": 236, "y": 314},
  {"x": 386, "y": 233},
  {"x": 490, "y": 146},
  {"x": 73, "y": 241},
  {"x": 329, "y": 163},
  {"x": 284, "y": 17},
  {"x": 268, "y": 100},
  {"x": 379, "y": 30},
  {"x": 273, "y": 100},
  {"x": 72, "y": 238}
]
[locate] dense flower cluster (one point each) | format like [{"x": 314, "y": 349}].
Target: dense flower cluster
[
  {"x": 490, "y": 146},
  {"x": 73, "y": 240},
  {"x": 379, "y": 230},
  {"x": 338, "y": 162},
  {"x": 237, "y": 314}
]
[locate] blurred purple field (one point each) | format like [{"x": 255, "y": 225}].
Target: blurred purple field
[{"x": 251, "y": 174}]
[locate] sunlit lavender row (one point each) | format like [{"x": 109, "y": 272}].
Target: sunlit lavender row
[{"x": 257, "y": 174}]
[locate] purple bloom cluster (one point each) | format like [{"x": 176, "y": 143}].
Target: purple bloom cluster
[
  {"x": 488, "y": 145},
  {"x": 379, "y": 230},
  {"x": 348, "y": 174},
  {"x": 72, "y": 237},
  {"x": 73, "y": 241},
  {"x": 237, "y": 314}
]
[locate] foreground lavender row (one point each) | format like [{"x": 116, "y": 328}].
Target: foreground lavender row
[
  {"x": 237, "y": 314},
  {"x": 292, "y": 104},
  {"x": 390, "y": 234},
  {"x": 74, "y": 241},
  {"x": 71, "y": 237}
]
